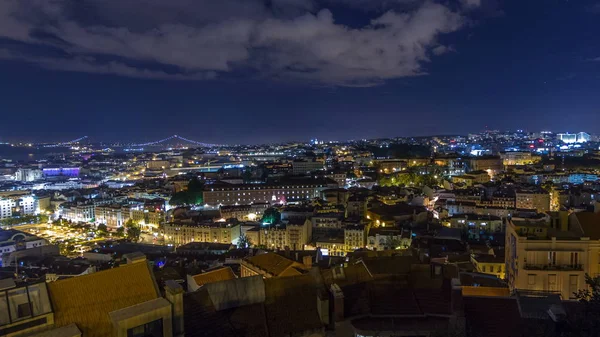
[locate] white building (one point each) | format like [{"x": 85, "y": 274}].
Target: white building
[
  {"x": 24, "y": 205},
  {"x": 6, "y": 207},
  {"x": 28, "y": 174},
  {"x": 583, "y": 137},
  {"x": 12, "y": 240}
]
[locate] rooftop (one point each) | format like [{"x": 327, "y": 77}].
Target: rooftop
[{"x": 87, "y": 300}]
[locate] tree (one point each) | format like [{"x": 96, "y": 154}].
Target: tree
[
  {"x": 247, "y": 176},
  {"x": 271, "y": 216},
  {"x": 179, "y": 198},
  {"x": 102, "y": 228},
  {"x": 587, "y": 322},
  {"x": 244, "y": 242},
  {"x": 120, "y": 231},
  {"x": 393, "y": 243},
  {"x": 133, "y": 231},
  {"x": 193, "y": 195}
]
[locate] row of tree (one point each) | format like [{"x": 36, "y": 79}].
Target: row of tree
[
  {"x": 192, "y": 196},
  {"x": 24, "y": 219},
  {"x": 131, "y": 231}
]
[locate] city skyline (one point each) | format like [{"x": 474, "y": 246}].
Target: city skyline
[
  {"x": 258, "y": 73},
  {"x": 181, "y": 139}
]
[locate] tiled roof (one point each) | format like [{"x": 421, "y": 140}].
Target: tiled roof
[
  {"x": 352, "y": 274},
  {"x": 356, "y": 299},
  {"x": 203, "y": 320},
  {"x": 493, "y": 317},
  {"x": 389, "y": 300},
  {"x": 272, "y": 263},
  {"x": 221, "y": 274},
  {"x": 87, "y": 300},
  {"x": 590, "y": 223},
  {"x": 291, "y": 305},
  {"x": 396, "y": 265}
]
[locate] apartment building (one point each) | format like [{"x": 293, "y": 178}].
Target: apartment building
[
  {"x": 286, "y": 190},
  {"x": 181, "y": 233},
  {"x": 553, "y": 251},
  {"x": 112, "y": 216},
  {"x": 293, "y": 234},
  {"x": 78, "y": 212},
  {"x": 355, "y": 237},
  {"x": 538, "y": 199}
]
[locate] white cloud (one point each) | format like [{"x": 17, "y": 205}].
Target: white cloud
[
  {"x": 471, "y": 3},
  {"x": 285, "y": 40},
  {"x": 441, "y": 50}
]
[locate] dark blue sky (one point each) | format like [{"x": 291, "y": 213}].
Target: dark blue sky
[{"x": 507, "y": 65}]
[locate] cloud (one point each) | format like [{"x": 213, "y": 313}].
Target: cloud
[
  {"x": 471, "y": 3},
  {"x": 441, "y": 50},
  {"x": 285, "y": 39}
]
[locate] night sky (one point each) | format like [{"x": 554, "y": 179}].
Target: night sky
[{"x": 256, "y": 71}]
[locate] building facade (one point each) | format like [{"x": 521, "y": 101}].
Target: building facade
[{"x": 294, "y": 190}]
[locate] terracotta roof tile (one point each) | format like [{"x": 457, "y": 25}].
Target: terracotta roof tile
[
  {"x": 87, "y": 300},
  {"x": 221, "y": 274},
  {"x": 272, "y": 263},
  {"x": 291, "y": 305},
  {"x": 493, "y": 317}
]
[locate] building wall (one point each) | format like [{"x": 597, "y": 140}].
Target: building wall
[
  {"x": 539, "y": 201},
  {"x": 244, "y": 194},
  {"x": 546, "y": 265},
  {"x": 180, "y": 234}
]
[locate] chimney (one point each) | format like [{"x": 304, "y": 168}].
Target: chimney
[
  {"x": 564, "y": 220},
  {"x": 457, "y": 321},
  {"x": 174, "y": 294},
  {"x": 338, "y": 302},
  {"x": 307, "y": 261},
  {"x": 287, "y": 252}
]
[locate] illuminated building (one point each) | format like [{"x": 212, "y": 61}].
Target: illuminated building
[
  {"x": 489, "y": 264},
  {"x": 538, "y": 200},
  {"x": 491, "y": 164},
  {"x": 158, "y": 164},
  {"x": 571, "y": 138},
  {"x": 384, "y": 238},
  {"x": 552, "y": 252},
  {"x": 290, "y": 190},
  {"x": 300, "y": 167},
  {"x": 583, "y": 137},
  {"x": 294, "y": 234},
  {"x": 60, "y": 171},
  {"x": 519, "y": 158},
  {"x": 13, "y": 240},
  {"x": 244, "y": 212},
  {"x": 6, "y": 207},
  {"x": 27, "y": 174},
  {"x": 78, "y": 212},
  {"x": 390, "y": 165},
  {"x": 113, "y": 216},
  {"x": 22, "y": 205},
  {"x": 355, "y": 237},
  {"x": 181, "y": 233},
  {"x": 474, "y": 224}
]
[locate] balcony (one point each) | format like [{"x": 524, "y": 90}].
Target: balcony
[{"x": 557, "y": 267}]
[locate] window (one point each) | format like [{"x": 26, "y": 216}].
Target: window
[
  {"x": 152, "y": 329},
  {"x": 483, "y": 269},
  {"x": 552, "y": 282},
  {"x": 573, "y": 282},
  {"x": 574, "y": 259},
  {"x": 552, "y": 258},
  {"x": 531, "y": 279}
]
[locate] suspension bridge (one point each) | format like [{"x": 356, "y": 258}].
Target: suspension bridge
[
  {"x": 176, "y": 137},
  {"x": 153, "y": 143},
  {"x": 74, "y": 141}
]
